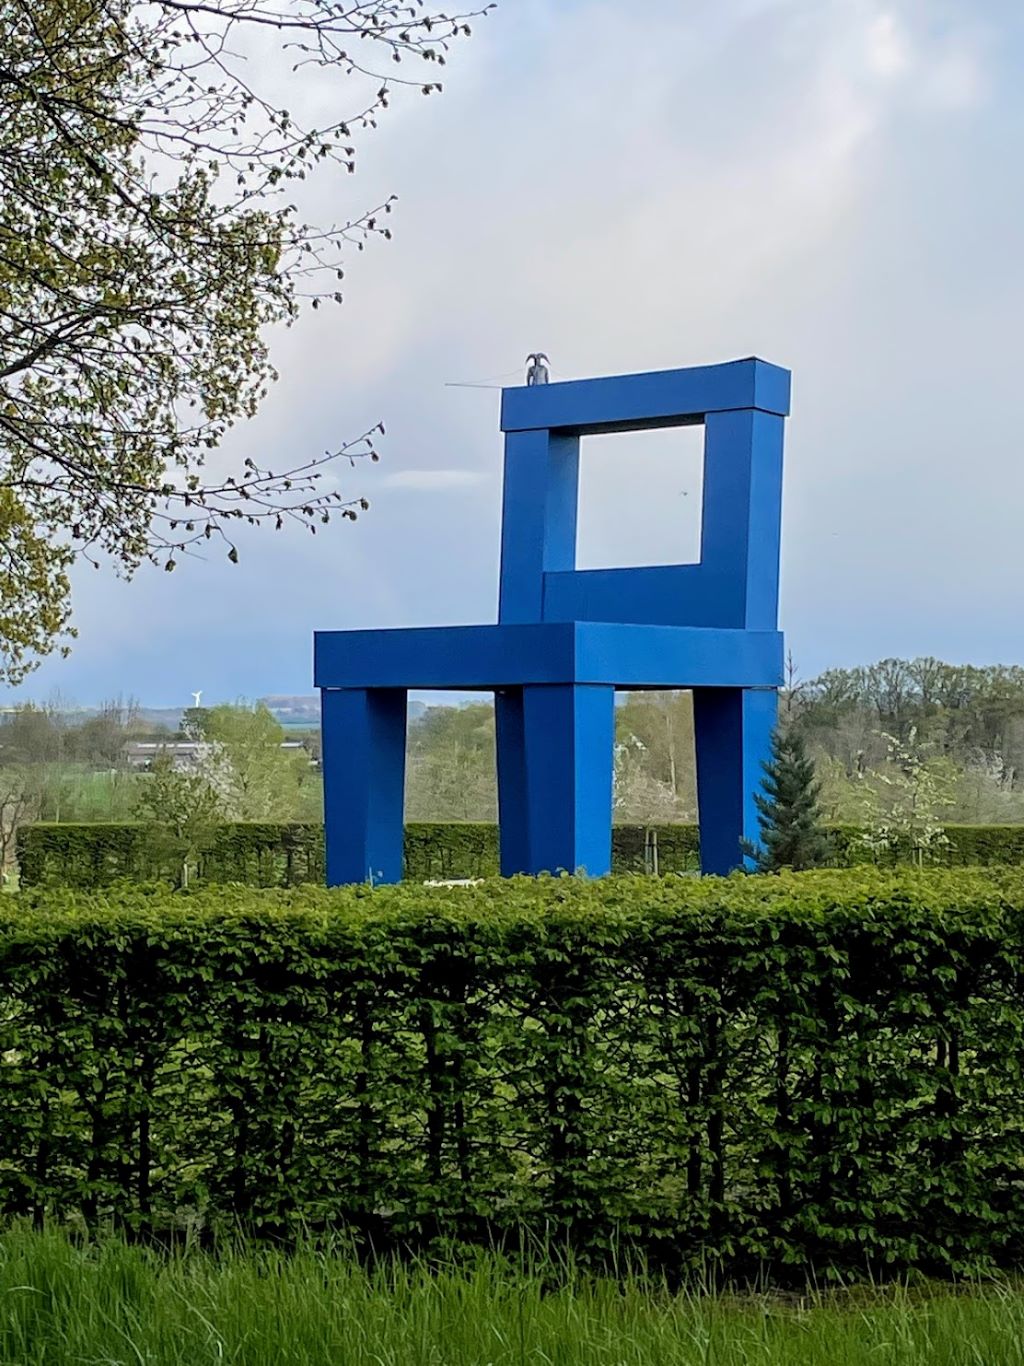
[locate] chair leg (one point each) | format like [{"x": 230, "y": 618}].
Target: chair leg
[
  {"x": 569, "y": 740},
  {"x": 733, "y": 728},
  {"x": 513, "y": 830},
  {"x": 364, "y": 783}
]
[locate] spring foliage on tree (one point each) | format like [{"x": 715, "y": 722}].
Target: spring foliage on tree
[
  {"x": 184, "y": 807},
  {"x": 793, "y": 834},
  {"x": 148, "y": 239},
  {"x": 905, "y": 802},
  {"x": 262, "y": 781}
]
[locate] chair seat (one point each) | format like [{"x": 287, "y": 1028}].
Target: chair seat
[{"x": 575, "y": 652}]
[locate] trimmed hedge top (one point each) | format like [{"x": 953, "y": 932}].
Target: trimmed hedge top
[
  {"x": 825, "y": 891},
  {"x": 275, "y": 855}
]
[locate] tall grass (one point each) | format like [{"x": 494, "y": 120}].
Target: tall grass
[{"x": 108, "y": 1303}]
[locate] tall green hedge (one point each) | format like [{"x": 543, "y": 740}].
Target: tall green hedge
[
  {"x": 966, "y": 846},
  {"x": 783, "y": 1072},
  {"x": 284, "y": 855},
  {"x": 275, "y": 855}
]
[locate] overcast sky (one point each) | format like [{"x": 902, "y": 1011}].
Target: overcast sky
[{"x": 834, "y": 185}]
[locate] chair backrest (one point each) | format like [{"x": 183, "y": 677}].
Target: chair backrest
[{"x": 742, "y": 406}]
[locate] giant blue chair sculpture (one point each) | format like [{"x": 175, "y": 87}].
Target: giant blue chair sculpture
[{"x": 567, "y": 638}]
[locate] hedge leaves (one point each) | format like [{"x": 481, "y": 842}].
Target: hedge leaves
[{"x": 822, "y": 1070}]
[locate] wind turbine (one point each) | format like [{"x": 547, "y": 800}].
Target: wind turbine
[{"x": 195, "y": 699}]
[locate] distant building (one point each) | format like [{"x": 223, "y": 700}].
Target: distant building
[{"x": 140, "y": 754}]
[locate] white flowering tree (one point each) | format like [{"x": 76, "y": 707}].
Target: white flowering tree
[{"x": 906, "y": 801}]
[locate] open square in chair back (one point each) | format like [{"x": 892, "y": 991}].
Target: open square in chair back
[{"x": 567, "y": 638}]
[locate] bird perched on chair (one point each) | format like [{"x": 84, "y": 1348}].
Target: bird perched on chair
[{"x": 537, "y": 368}]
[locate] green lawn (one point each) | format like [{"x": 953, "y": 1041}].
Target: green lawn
[{"x": 110, "y": 1304}]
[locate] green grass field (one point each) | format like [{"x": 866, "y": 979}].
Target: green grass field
[{"x": 112, "y": 1305}]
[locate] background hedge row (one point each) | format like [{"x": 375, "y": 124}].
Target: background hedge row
[
  {"x": 273, "y": 855},
  {"x": 812, "y": 1071},
  {"x": 284, "y": 855}
]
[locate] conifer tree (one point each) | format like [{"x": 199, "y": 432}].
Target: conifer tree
[{"x": 792, "y": 831}]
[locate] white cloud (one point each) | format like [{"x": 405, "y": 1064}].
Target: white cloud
[
  {"x": 888, "y": 46},
  {"x": 431, "y": 481},
  {"x": 943, "y": 67},
  {"x": 956, "y": 79}
]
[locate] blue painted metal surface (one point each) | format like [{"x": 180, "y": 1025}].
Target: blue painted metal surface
[
  {"x": 363, "y": 760},
  {"x": 487, "y": 657},
  {"x": 566, "y": 638}
]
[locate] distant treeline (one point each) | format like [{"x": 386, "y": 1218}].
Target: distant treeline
[
  {"x": 966, "y": 724},
  {"x": 967, "y": 713},
  {"x": 865, "y": 727}
]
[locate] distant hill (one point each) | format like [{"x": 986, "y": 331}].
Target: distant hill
[
  {"x": 292, "y": 712},
  {"x": 305, "y": 711},
  {"x": 162, "y": 718}
]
